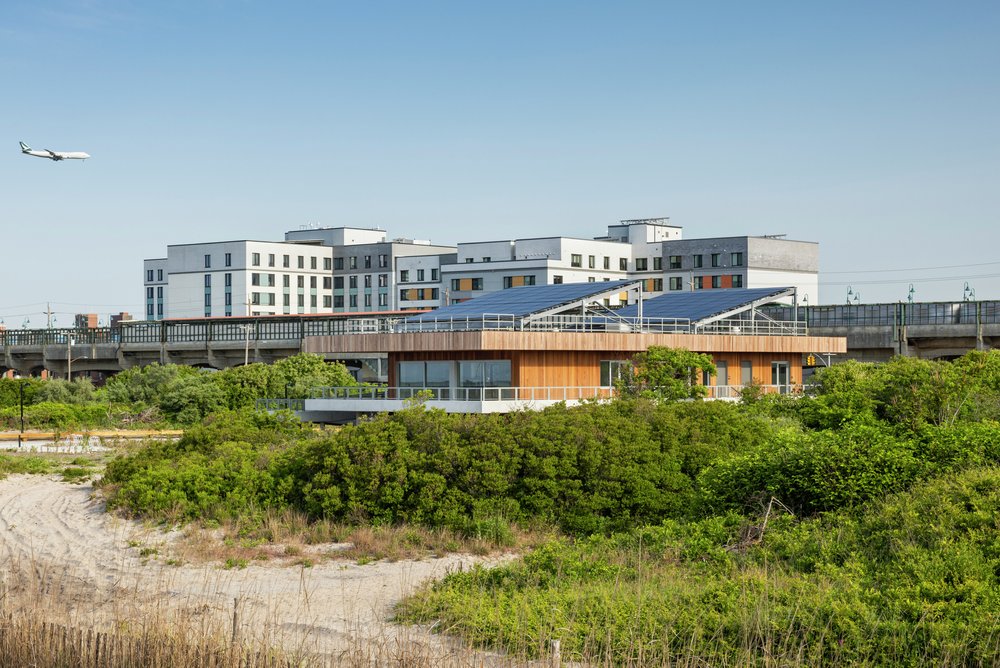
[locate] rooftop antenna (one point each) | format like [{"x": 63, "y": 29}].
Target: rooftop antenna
[{"x": 909, "y": 297}]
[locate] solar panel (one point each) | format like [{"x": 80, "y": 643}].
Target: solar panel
[
  {"x": 521, "y": 301},
  {"x": 698, "y": 305}
]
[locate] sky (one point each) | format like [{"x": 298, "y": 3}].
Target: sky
[{"x": 872, "y": 128}]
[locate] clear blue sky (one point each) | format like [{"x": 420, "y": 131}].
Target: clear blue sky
[{"x": 872, "y": 128}]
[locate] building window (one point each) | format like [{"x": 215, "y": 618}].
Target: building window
[
  {"x": 327, "y": 281},
  {"x": 327, "y": 301},
  {"x": 229, "y": 299},
  {"x": 270, "y": 259},
  {"x": 159, "y": 275},
  {"x": 149, "y": 310},
  {"x": 383, "y": 261},
  {"x": 456, "y": 284},
  {"x": 434, "y": 274},
  {"x": 229, "y": 259},
  {"x": 327, "y": 263},
  {"x": 368, "y": 301},
  {"x": 254, "y": 279},
  {"x": 699, "y": 282},
  {"x": 656, "y": 285},
  {"x": 159, "y": 293},
  {"x": 420, "y": 275},
  {"x": 657, "y": 263},
  {"x": 302, "y": 301},
  {"x": 737, "y": 280},
  {"x": 354, "y": 301},
  {"x": 352, "y": 262},
  {"x": 338, "y": 282},
  {"x": 312, "y": 301},
  {"x": 607, "y": 262},
  {"x": 286, "y": 281},
  {"x": 255, "y": 259},
  {"x": 302, "y": 262},
  {"x": 368, "y": 281},
  {"x": 208, "y": 262},
  {"x": 285, "y": 261},
  {"x": 557, "y": 279},
  {"x": 338, "y": 263},
  {"x": 208, "y": 280},
  {"x": 149, "y": 293},
  {"x": 469, "y": 260},
  {"x": 229, "y": 280},
  {"x": 698, "y": 261},
  {"x": 286, "y": 301},
  {"x": 576, "y": 260},
  {"x": 383, "y": 299},
  {"x": 368, "y": 261},
  {"x": 338, "y": 301},
  {"x": 404, "y": 275},
  {"x": 591, "y": 262},
  {"x": 623, "y": 264},
  {"x": 312, "y": 282},
  {"x": 477, "y": 284},
  {"x": 383, "y": 280},
  {"x": 352, "y": 281},
  {"x": 149, "y": 276},
  {"x": 715, "y": 259},
  {"x": 675, "y": 262},
  {"x": 746, "y": 372},
  {"x": 591, "y": 279},
  {"x": 301, "y": 282},
  {"x": 312, "y": 263},
  {"x": 736, "y": 259},
  {"x": 717, "y": 281},
  {"x": 676, "y": 283},
  {"x": 641, "y": 264},
  {"x": 612, "y": 370}
]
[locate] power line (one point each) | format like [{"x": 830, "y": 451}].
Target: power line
[{"x": 882, "y": 271}]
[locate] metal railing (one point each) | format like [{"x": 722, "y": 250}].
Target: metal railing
[{"x": 384, "y": 393}]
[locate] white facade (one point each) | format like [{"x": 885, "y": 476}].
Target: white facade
[{"x": 356, "y": 270}]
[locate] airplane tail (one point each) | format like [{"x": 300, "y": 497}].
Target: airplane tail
[{"x": 24, "y": 147}]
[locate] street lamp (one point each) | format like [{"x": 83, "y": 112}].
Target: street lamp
[{"x": 69, "y": 358}]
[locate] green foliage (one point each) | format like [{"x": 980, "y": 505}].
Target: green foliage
[
  {"x": 22, "y": 464},
  {"x": 913, "y": 581},
  {"x": 668, "y": 374}
]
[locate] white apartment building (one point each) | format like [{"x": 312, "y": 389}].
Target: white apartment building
[
  {"x": 632, "y": 249},
  {"x": 239, "y": 278},
  {"x": 356, "y": 270}
]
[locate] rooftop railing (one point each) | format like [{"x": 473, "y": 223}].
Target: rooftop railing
[{"x": 602, "y": 323}]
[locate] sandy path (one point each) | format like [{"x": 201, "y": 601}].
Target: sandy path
[{"x": 91, "y": 562}]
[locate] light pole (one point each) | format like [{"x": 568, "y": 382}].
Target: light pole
[{"x": 69, "y": 359}]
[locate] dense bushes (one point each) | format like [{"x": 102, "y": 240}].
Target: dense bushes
[
  {"x": 594, "y": 468},
  {"x": 911, "y": 581},
  {"x": 160, "y": 394}
]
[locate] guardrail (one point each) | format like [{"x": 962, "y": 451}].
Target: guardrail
[{"x": 385, "y": 393}]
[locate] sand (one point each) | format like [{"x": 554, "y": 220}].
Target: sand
[{"x": 57, "y": 535}]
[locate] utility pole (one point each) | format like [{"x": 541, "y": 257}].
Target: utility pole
[{"x": 69, "y": 359}]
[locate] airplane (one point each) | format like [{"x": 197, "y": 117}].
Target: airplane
[{"x": 53, "y": 155}]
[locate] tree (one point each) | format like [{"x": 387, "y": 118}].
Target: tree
[{"x": 665, "y": 373}]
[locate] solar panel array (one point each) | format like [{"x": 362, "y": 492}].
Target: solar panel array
[
  {"x": 698, "y": 305},
  {"x": 521, "y": 301}
]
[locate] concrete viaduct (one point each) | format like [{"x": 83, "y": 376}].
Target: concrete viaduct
[{"x": 875, "y": 332}]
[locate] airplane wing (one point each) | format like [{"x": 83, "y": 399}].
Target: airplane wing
[{"x": 53, "y": 155}]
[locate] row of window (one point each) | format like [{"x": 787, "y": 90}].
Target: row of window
[
  {"x": 704, "y": 282},
  {"x": 641, "y": 263},
  {"x": 404, "y": 275},
  {"x": 149, "y": 275},
  {"x": 418, "y": 294},
  {"x": 366, "y": 262},
  {"x": 698, "y": 261}
]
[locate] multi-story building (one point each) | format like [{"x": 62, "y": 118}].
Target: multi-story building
[
  {"x": 371, "y": 273},
  {"x": 743, "y": 262},
  {"x": 228, "y": 278},
  {"x": 355, "y": 270}
]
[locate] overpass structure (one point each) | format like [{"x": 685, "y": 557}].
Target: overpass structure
[
  {"x": 874, "y": 332},
  {"x": 216, "y": 343},
  {"x": 877, "y": 332}
]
